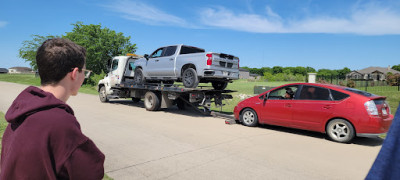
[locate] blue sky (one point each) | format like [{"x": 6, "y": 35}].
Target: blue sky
[{"x": 262, "y": 33}]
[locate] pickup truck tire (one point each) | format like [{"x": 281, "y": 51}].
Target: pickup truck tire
[
  {"x": 139, "y": 77},
  {"x": 189, "y": 78},
  {"x": 151, "y": 101},
  {"x": 219, "y": 85},
  {"x": 103, "y": 95}
]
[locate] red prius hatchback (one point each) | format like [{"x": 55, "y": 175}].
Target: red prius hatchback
[{"x": 338, "y": 111}]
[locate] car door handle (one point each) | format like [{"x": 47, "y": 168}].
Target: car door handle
[
  {"x": 156, "y": 60},
  {"x": 288, "y": 105},
  {"x": 327, "y": 106},
  {"x": 171, "y": 59}
]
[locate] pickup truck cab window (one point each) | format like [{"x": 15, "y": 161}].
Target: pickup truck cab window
[
  {"x": 170, "y": 50},
  {"x": 190, "y": 50},
  {"x": 157, "y": 53}
]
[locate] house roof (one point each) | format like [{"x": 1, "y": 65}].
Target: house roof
[
  {"x": 369, "y": 70},
  {"x": 21, "y": 69}
]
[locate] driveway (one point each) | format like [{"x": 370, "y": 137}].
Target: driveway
[{"x": 174, "y": 144}]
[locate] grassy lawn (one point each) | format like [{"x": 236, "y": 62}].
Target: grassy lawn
[{"x": 243, "y": 87}]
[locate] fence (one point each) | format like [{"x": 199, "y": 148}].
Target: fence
[{"x": 368, "y": 84}]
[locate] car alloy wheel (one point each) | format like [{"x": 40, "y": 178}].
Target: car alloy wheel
[
  {"x": 340, "y": 130},
  {"x": 249, "y": 117}
]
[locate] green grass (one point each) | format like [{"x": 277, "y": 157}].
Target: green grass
[
  {"x": 3, "y": 125},
  {"x": 30, "y": 79}
]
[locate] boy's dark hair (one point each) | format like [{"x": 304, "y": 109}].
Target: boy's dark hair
[{"x": 57, "y": 57}]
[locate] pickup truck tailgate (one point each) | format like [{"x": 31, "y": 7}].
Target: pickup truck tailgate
[{"x": 225, "y": 61}]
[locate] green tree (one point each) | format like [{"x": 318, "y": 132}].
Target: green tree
[
  {"x": 277, "y": 69},
  {"x": 396, "y": 67},
  {"x": 101, "y": 44},
  {"x": 29, "y": 48}
]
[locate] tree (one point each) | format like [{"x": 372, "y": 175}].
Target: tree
[
  {"x": 101, "y": 44},
  {"x": 29, "y": 48},
  {"x": 396, "y": 67},
  {"x": 277, "y": 69}
]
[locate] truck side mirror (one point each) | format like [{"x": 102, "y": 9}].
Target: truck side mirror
[
  {"x": 108, "y": 65},
  {"x": 146, "y": 56}
]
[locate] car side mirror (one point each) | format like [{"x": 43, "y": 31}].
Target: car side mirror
[
  {"x": 266, "y": 96},
  {"x": 146, "y": 56}
]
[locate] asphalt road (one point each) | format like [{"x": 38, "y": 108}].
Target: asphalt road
[{"x": 174, "y": 144}]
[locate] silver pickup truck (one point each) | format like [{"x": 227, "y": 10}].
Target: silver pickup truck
[{"x": 187, "y": 64}]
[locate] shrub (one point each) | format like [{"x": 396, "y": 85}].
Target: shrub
[{"x": 351, "y": 84}]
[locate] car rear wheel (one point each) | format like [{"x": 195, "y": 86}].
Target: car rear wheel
[
  {"x": 103, "y": 95},
  {"x": 151, "y": 101},
  {"x": 340, "y": 130},
  {"x": 189, "y": 78},
  {"x": 249, "y": 117}
]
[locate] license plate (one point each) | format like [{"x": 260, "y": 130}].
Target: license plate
[
  {"x": 384, "y": 112},
  {"x": 225, "y": 73}
]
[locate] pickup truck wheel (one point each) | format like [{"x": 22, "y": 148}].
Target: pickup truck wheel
[
  {"x": 151, "y": 101},
  {"x": 139, "y": 77},
  {"x": 219, "y": 85},
  {"x": 103, "y": 95},
  {"x": 189, "y": 78}
]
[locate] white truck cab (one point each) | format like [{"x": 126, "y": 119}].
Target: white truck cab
[{"x": 121, "y": 68}]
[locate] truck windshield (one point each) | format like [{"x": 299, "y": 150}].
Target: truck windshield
[{"x": 190, "y": 50}]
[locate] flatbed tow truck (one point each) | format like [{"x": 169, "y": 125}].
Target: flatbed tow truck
[{"x": 119, "y": 83}]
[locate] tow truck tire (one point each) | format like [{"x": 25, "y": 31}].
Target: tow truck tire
[
  {"x": 219, "y": 85},
  {"x": 189, "y": 78},
  {"x": 151, "y": 101},
  {"x": 103, "y": 95},
  {"x": 181, "y": 104},
  {"x": 139, "y": 77}
]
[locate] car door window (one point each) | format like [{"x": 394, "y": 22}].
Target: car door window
[
  {"x": 314, "y": 93},
  {"x": 157, "y": 53},
  {"x": 286, "y": 92},
  {"x": 169, "y": 51},
  {"x": 337, "y": 96}
]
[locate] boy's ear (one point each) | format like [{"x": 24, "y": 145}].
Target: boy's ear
[{"x": 74, "y": 74}]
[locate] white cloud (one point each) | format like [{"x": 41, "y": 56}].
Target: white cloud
[
  {"x": 138, "y": 11},
  {"x": 371, "y": 20},
  {"x": 3, "y": 24}
]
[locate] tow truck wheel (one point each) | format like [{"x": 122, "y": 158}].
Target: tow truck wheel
[
  {"x": 219, "y": 85},
  {"x": 151, "y": 101},
  {"x": 189, "y": 78},
  {"x": 103, "y": 95}
]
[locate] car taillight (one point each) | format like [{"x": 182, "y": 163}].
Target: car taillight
[
  {"x": 238, "y": 63},
  {"x": 388, "y": 107},
  {"x": 371, "y": 108},
  {"x": 209, "y": 59}
]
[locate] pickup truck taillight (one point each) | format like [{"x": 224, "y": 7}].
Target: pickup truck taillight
[{"x": 209, "y": 59}]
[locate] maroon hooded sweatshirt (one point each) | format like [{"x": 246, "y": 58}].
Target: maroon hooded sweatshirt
[{"x": 43, "y": 140}]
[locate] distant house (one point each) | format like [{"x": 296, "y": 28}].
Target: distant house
[
  {"x": 375, "y": 73},
  {"x": 19, "y": 70},
  {"x": 3, "y": 70},
  {"x": 244, "y": 73}
]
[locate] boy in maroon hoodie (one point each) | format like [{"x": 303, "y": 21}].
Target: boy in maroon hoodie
[{"x": 43, "y": 139}]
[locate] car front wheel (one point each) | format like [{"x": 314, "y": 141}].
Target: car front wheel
[
  {"x": 249, "y": 117},
  {"x": 340, "y": 130}
]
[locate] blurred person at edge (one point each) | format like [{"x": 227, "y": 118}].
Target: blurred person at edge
[
  {"x": 387, "y": 163},
  {"x": 43, "y": 139}
]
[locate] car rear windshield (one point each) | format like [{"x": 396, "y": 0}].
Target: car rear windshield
[
  {"x": 363, "y": 93},
  {"x": 190, "y": 50}
]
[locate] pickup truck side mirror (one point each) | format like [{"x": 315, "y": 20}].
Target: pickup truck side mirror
[{"x": 146, "y": 56}]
